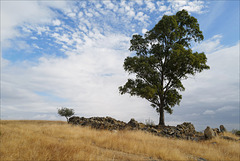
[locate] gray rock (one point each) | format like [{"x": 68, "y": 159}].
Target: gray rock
[
  {"x": 209, "y": 133},
  {"x": 201, "y": 159},
  {"x": 154, "y": 130},
  {"x": 133, "y": 123},
  {"x": 222, "y": 128},
  {"x": 216, "y": 131}
]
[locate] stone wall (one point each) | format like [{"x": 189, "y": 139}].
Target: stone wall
[{"x": 182, "y": 131}]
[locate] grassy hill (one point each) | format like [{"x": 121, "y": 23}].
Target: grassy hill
[{"x": 57, "y": 140}]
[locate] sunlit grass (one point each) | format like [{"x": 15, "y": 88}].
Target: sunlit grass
[{"x": 56, "y": 140}]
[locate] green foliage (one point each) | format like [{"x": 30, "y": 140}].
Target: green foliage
[
  {"x": 66, "y": 112},
  {"x": 163, "y": 59},
  {"x": 236, "y": 132}
]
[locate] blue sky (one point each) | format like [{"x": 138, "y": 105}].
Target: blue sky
[{"x": 71, "y": 53}]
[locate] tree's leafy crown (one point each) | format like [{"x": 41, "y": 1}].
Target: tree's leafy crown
[
  {"x": 164, "y": 58},
  {"x": 65, "y": 112}
]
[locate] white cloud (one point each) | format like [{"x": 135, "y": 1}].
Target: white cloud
[
  {"x": 220, "y": 83},
  {"x": 56, "y": 22},
  {"x": 144, "y": 31},
  {"x": 80, "y": 14},
  {"x": 150, "y": 6},
  {"x": 176, "y": 5},
  {"x": 131, "y": 13},
  {"x": 210, "y": 45},
  {"x": 168, "y": 13},
  {"x": 17, "y": 13},
  {"x": 142, "y": 17},
  {"x": 71, "y": 14},
  {"x": 163, "y": 8},
  {"x": 88, "y": 14},
  {"x": 45, "y": 117},
  {"x": 208, "y": 112},
  {"x": 226, "y": 108},
  {"x": 139, "y": 2},
  {"x": 88, "y": 80},
  {"x": 190, "y": 6},
  {"x": 195, "y": 114},
  {"x": 83, "y": 28},
  {"x": 195, "y": 6},
  {"x": 33, "y": 38},
  {"x": 214, "y": 92},
  {"x": 65, "y": 39},
  {"x": 97, "y": 4},
  {"x": 36, "y": 46},
  {"x": 109, "y": 4},
  {"x": 40, "y": 30}
]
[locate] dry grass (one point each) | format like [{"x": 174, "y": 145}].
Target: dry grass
[{"x": 56, "y": 140}]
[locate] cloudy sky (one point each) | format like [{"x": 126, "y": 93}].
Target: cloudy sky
[{"x": 70, "y": 54}]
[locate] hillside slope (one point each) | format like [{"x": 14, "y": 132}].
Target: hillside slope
[{"x": 56, "y": 140}]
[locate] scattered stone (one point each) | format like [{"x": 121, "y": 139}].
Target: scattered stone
[
  {"x": 153, "y": 131},
  {"x": 201, "y": 159},
  {"x": 222, "y": 128},
  {"x": 209, "y": 133},
  {"x": 216, "y": 131}
]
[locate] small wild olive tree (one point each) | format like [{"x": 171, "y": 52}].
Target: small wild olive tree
[{"x": 66, "y": 112}]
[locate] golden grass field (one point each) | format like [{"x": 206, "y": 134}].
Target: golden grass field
[{"x": 57, "y": 140}]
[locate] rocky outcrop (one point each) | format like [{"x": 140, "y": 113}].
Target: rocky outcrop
[
  {"x": 107, "y": 123},
  {"x": 182, "y": 131}
]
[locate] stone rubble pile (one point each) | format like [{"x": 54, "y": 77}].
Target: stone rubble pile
[
  {"x": 183, "y": 131},
  {"x": 106, "y": 123}
]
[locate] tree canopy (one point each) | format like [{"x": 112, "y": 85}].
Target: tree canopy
[
  {"x": 66, "y": 112},
  {"x": 163, "y": 58}
]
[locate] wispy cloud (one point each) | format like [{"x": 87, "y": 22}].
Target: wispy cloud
[
  {"x": 34, "y": 13},
  {"x": 208, "y": 112},
  {"x": 210, "y": 45},
  {"x": 227, "y": 108}
]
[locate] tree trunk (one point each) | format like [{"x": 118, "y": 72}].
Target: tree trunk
[
  {"x": 67, "y": 119},
  {"x": 161, "y": 107},
  {"x": 161, "y": 116}
]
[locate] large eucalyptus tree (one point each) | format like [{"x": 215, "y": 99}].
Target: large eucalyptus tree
[{"x": 163, "y": 58}]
